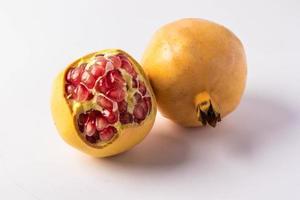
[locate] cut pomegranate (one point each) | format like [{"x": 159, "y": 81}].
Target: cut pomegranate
[
  {"x": 101, "y": 87},
  {"x": 107, "y": 133}
]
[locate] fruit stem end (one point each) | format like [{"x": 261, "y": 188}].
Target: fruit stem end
[{"x": 206, "y": 111}]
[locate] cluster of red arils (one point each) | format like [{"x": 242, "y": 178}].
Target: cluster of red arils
[{"x": 104, "y": 81}]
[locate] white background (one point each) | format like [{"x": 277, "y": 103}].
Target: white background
[{"x": 253, "y": 154}]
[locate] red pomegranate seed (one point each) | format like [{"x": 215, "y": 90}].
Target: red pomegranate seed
[
  {"x": 104, "y": 102},
  {"x": 81, "y": 93},
  {"x": 82, "y": 118},
  {"x": 92, "y": 139},
  {"x": 140, "y": 110},
  {"x": 93, "y": 114},
  {"x": 90, "y": 96},
  {"x": 108, "y": 133},
  {"x": 70, "y": 90},
  {"x": 137, "y": 97},
  {"x": 142, "y": 88},
  {"x": 123, "y": 57},
  {"x": 116, "y": 94},
  {"x": 75, "y": 75},
  {"x": 102, "y": 85},
  {"x": 134, "y": 83},
  {"x": 69, "y": 73},
  {"x": 90, "y": 128},
  {"x": 109, "y": 66},
  {"x": 116, "y": 61},
  {"x": 101, "y": 60},
  {"x": 122, "y": 106},
  {"x": 88, "y": 79},
  {"x": 98, "y": 69},
  {"x": 149, "y": 103},
  {"x": 101, "y": 123},
  {"x": 115, "y": 79},
  {"x": 110, "y": 116},
  {"x": 144, "y": 105},
  {"x": 126, "y": 118},
  {"x": 126, "y": 65},
  {"x": 81, "y": 128}
]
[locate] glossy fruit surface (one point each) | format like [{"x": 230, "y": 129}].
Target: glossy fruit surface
[
  {"x": 95, "y": 106},
  {"x": 197, "y": 69}
]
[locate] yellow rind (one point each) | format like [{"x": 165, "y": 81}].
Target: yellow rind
[{"x": 188, "y": 57}]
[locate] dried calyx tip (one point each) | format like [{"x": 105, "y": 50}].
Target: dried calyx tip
[
  {"x": 206, "y": 112},
  {"x": 209, "y": 116}
]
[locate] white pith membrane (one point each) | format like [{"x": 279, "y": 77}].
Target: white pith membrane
[{"x": 107, "y": 94}]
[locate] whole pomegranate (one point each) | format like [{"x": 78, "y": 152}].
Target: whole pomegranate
[
  {"x": 103, "y": 104},
  {"x": 197, "y": 70}
]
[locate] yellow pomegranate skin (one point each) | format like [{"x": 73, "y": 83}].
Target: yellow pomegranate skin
[
  {"x": 193, "y": 61},
  {"x": 64, "y": 117}
]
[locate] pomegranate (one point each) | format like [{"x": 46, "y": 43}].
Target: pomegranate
[
  {"x": 95, "y": 106},
  {"x": 197, "y": 69}
]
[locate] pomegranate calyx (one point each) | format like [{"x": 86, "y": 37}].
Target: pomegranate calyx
[{"x": 206, "y": 110}]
